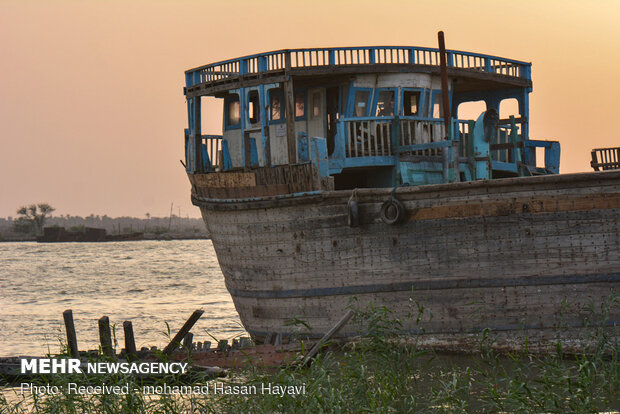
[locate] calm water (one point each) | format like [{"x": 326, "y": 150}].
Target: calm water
[{"x": 146, "y": 282}]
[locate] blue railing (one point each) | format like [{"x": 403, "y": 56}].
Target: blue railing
[{"x": 344, "y": 56}]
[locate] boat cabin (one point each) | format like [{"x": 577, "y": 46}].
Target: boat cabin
[{"x": 307, "y": 120}]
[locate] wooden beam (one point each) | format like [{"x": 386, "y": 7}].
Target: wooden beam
[
  {"x": 289, "y": 99},
  {"x": 197, "y": 135}
]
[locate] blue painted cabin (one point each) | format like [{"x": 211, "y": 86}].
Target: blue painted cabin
[{"x": 366, "y": 117}]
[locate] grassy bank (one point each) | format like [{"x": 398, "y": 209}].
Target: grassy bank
[{"x": 383, "y": 372}]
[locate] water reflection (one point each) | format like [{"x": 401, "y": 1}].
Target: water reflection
[{"x": 146, "y": 282}]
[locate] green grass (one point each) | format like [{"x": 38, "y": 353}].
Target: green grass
[{"x": 381, "y": 373}]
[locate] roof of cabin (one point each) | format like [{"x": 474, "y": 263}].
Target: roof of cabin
[{"x": 472, "y": 71}]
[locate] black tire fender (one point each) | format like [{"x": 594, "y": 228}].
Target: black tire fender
[
  {"x": 353, "y": 219},
  {"x": 392, "y": 211}
]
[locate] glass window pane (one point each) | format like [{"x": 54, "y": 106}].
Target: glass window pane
[
  {"x": 276, "y": 107},
  {"x": 385, "y": 103},
  {"x": 233, "y": 112},
  {"x": 361, "y": 103},
  {"x": 300, "y": 105},
  {"x": 316, "y": 104}
]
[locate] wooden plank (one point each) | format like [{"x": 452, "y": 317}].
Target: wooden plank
[{"x": 225, "y": 179}]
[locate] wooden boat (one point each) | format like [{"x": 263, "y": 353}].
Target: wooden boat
[{"x": 347, "y": 173}]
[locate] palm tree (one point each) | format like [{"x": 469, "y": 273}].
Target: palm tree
[{"x": 36, "y": 214}]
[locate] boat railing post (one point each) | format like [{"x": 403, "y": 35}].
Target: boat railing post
[{"x": 289, "y": 99}]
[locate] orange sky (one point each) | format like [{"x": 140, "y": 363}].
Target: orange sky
[{"x": 91, "y": 105}]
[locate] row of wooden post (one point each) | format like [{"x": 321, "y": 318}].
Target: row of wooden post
[{"x": 105, "y": 336}]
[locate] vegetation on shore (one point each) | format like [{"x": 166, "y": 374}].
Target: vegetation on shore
[
  {"x": 383, "y": 372},
  {"x": 30, "y": 221}
]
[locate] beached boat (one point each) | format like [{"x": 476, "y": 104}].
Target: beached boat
[{"x": 347, "y": 173}]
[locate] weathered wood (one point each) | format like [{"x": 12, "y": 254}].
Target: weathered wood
[
  {"x": 130, "y": 341},
  {"x": 315, "y": 349},
  {"x": 289, "y": 100},
  {"x": 225, "y": 179},
  {"x": 176, "y": 341},
  {"x": 71, "y": 335},
  {"x": 554, "y": 237},
  {"x": 105, "y": 337},
  {"x": 187, "y": 341}
]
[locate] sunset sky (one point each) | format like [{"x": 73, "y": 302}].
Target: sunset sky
[{"x": 92, "y": 110}]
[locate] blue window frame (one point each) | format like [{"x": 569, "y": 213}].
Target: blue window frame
[
  {"x": 359, "y": 102},
  {"x": 413, "y": 101},
  {"x": 385, "y": 102},
  {"x": 276, "y": 106},
  {"x": 232, "y": 112}
]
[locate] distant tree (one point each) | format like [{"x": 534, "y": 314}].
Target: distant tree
[{"x": 35, "y": 214}]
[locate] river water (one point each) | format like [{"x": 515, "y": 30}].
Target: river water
[{"x": 146, "y": 282}]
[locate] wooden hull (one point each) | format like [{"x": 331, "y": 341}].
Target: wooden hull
[{"x": 535, "y": 257}]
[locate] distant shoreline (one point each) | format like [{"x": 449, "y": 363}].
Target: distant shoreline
[{"x": 167, "y": 237}]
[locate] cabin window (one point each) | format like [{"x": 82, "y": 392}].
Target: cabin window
[
  {"x": 232, "y": 112},
  {"x": 253, "y": 107},
  {"x": 361, "y": 103},
  {"x": 300, "y": 105},
  {"x": 276, "y": 105},
  {"x": 316, "y": 104},
  {"x": 411, "y": 103},
  {"x": 385, "y": 104}
]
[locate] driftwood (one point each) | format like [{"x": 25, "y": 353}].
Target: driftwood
[
  {"x": 176, "y": 341},
  {"x": 316, "y": 348}
]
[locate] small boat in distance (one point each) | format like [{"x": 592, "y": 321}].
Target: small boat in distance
[{"x": 348, "y": 173}]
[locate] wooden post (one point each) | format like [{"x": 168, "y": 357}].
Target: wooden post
[
  {"x": 289, "y": 99},
  {"x": 176, "y": 341},
  {"x": 187, "y": 341},
  {"x": 130, "y": 342},
  {"x": 445, "y": 97},
  {"x": 105, "y": 337},
  {"x": 71, "y": 336},
  {"x": 197, "y": 134},
  {"x": 315, "y": 349}
]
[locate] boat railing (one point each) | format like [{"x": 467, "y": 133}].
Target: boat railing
[
  {"x": 211, "y": 153},
  {"x": 373, "y": 136},
  {"x": 346, "y": 56},
  {"x": 212, "y": 148},
  {"x": 605, "y": 159}
]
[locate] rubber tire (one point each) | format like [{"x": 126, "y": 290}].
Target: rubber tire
[
  {"x": 353, "y": 219},
  {"x": 392, "y": 212}
]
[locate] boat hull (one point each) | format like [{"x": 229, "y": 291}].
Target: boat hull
[{"x": 500, "y": 260}]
